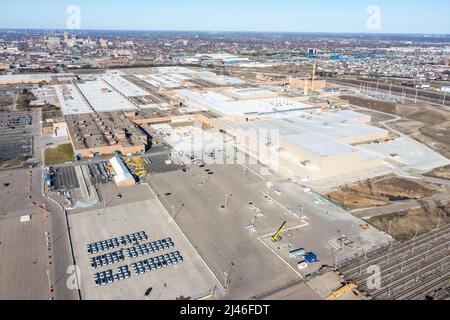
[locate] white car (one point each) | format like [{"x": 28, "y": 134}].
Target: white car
[{"x": 302, "y": 265}]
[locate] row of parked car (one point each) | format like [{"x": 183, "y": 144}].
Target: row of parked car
[
  {"x": 133, "y": 238},
  {"x": 114, "y": 243},
  {"x": 99, "y": 172},
  {"x": 148, "y": 248},
  {"x": 101, "y": 246},
  {"x": 107, "y": 259},
  {"x": 159, "y": 262},
  {"x": 107, "y": 277}
]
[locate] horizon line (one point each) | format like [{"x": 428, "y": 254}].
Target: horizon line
[{"x": 231, "y": 31}]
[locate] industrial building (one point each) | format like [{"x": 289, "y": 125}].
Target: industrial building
[
  {"x": 310, "y": 147},
  {"x": 106, "y": 133},
  {"x": 104, "y": 98},
  {"x": 25, "y": 79},
  {"x": 122, "y": 177},
  {"x": 227, "y": 103}
]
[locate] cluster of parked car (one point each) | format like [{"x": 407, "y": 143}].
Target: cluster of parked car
[
  {"x": 148, "y": 248},
  {"x": 258, "y": 210},
  {"x": 162, "y": 261},
  {"x": 101, "y": 246},
  {"x": 107, "y": 277},
  {"x": 129, "y": 239},
  {"x": 99, "y": 172},
  {"x": 133, "y": 238},
  {"x": 107, "y": 259}
]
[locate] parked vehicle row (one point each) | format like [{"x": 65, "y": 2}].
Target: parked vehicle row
[
  {"x": 105, "y": 245},
  {"x": 133, "y": 238},
  {"x": 107, "y": 277},
  {"x": 148, "y": 248},
  {"x": 159, "y": 262},
  {"x": 107, "y": 259}
]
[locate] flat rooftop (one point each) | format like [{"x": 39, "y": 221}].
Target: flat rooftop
[
  {"x": 124, "y": 86},
  {"x": 319, "y": 133},
  {"x": 71, "y": 100},
  {"x": 104, "y": 98},
  {"x": 101, "y": 129},
  {"x": 229, "y": 106},
  {"x": 318, "y": 144}
]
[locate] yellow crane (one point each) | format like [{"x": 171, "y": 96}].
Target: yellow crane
[
  {"x": 341, "y": 291},
  {"x": 276, "y": 236}
]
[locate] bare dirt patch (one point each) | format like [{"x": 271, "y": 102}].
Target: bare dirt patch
[
  {"x": 403, "y": 225},
  {"x": 441, "y": 173},
  {"x": 381, "y": 191},
  {"x": 382, "y": 106}
]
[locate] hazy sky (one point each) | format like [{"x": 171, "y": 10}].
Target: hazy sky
[{"x": 396, "y": 16}]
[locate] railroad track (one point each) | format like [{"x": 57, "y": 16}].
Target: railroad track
[
  {"x": 410, "y": 270},
  {"x": 410, "y": 262},
  {"x": 417, "y": 244},
  {"x": 406, "y": 279},
  {"x": 428, "y": 96},
  {"x": 419, "y": 291}
]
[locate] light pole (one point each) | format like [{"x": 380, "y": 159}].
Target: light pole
[
  {"x": 415, "y": 238},
  {"x": 227, "y": 199}
]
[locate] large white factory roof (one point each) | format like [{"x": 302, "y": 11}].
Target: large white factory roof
[
  {"x": 104, "y": 98},
  {"x": 317, "y": 133},
  {"x": 165, "y": 70},
  {"x": 124, "y": 86},
  {"x": 71, "y": 100},
  {"x": 228, "y": 106},
  {"x": 165, "y": 81},
  {"x": 318, "y": 144},
  {"x": 251, "y": 92},
  {"x": 219, "y": 80}
]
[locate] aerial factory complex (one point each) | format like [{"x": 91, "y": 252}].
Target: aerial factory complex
[{"x": 169, "y": 166}]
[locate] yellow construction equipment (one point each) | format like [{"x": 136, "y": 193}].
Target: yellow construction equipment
[
  {"x": 341, "y": 291},
  {"x": 276, "y": 236}
]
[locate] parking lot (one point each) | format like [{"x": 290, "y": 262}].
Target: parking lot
[
  {"x": 157, "y": 164},
  {"x": 216, "y": 211},
  {"x": 15, "y": 121},
  {"x": 162, "y": 259},
  {"x": 66, "y": 178},
  {"x": 16, "y": 142},
  {"x": 23, "y": 244},
  {"x": 15, "y": 147}
]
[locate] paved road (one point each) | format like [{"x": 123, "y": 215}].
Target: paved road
[
  {"x": 59, "y": 241},
  {"x": 401, "y": 206}
]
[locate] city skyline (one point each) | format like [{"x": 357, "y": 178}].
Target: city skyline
[{"x": 377, "y": 17}]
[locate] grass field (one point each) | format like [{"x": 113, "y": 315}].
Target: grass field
[{"x": 60, "y": 154}]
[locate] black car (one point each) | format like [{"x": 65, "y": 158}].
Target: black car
[{"x": 147, "y": 293}]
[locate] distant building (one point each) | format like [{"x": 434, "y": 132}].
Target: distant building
[
  {"x": 53, "y": 42},
  {"x": 25, "y": 79}
]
